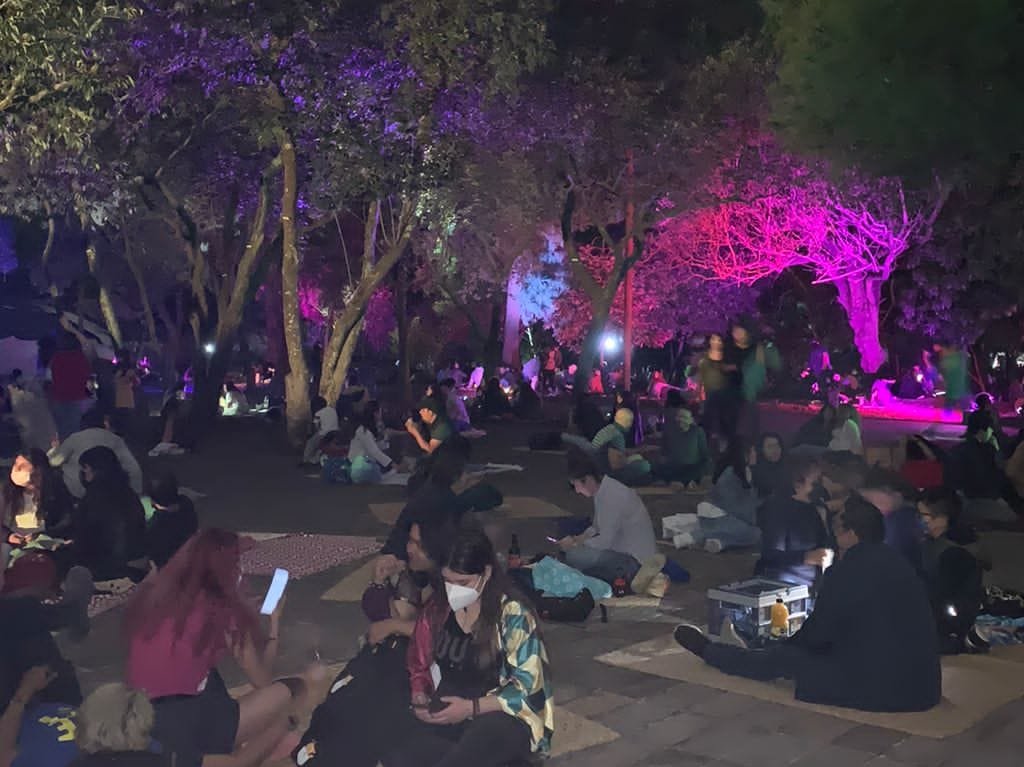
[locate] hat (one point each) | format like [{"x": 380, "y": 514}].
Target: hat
[
  {"x": 624, "y": 418},
  {"x": 431, "y": 405}
]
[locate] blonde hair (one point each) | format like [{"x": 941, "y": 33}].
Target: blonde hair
[{"x": 114, "y": 718}]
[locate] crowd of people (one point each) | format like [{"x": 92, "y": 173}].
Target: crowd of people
[{"x": 453, "y": 669}]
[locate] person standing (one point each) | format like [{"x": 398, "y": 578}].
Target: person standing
[{"x": 69, "y": 382}]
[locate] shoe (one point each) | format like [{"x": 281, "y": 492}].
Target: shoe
[
  {"x": 713, "y": 546},
  {"x": 729, "y": 636},
  {"x": 706, "y": 510},
  {"x": 658, "y": 586},
  {"x": 691, "y": 638},
  {"x": 642, "y": 580},
  {"x": 975, "y": 644},
  {"x": 76, "y": 592},
  {"x": 683, "y": 540}
]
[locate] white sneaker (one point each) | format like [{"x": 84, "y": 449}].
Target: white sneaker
[
  {"x": 713, "y": 546},
  {"x": 707, "y": 510},
  {"x": 683, "y": 540}
]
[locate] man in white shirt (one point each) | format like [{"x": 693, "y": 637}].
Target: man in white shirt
[
  {"x": 621, "y": 537},
  {"x": 96, "y": 432}
]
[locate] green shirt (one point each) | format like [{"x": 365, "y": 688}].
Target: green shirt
[
  {"x": 440, "y": 430},
  {"x": 610, "y": 436}
]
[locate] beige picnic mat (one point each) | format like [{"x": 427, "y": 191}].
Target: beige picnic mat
[
  {"x": 516, "y": 506},
  {"x": 973, "y": 687},
  {"x": 351, "y": 587}
]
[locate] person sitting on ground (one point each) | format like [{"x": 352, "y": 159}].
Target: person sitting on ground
[
  {"x": 895, "y": 499},
  {"x": 325, "y": 421},
  {"x": 587, "y": 417},
  {"x": 174, "y": 521},
  {"x": 870, "y": 643},
  {"x": 110, "y": 523},
  {"x": 728, "y": 519},
  {"x": 494, "y": 689},
  {"x": 685, "y": 456},
  {"x": 923, "y": 463},
  {"x": 173, "y": 419},
  {"x": 974, "y": 470},
  {"x": 34, "y": 502},
  {"x": 846, "y": 431},
  {"x": 455, "y": 407},
  {"x": 815, "y": 434},
  {"x": 367, "y": 449},
  {"x": 767, "y": 475},
  {"x": 180, "y": 624},
  {"x": 113, "y": 727},
  {"x": 527, "y": 405},
  {"x": 952, "y": 566},
  {"x": 621, "y": 537},
  {"x": 433, "y": 502},
  {"x": 98, "y": 430},
  {"x": 495, "y": 402},
  {"x": 232, "y": 402},
  {"x": 440, "y": 430},
  {"x": 609, "y": 447},
  {"x": 842, "y": 475},
  {"x": 983, "y": 403},
  {"x": 625, "y": 400},
  {"x": 367, "y": 710},
  {"x": 794, "y": 541}
]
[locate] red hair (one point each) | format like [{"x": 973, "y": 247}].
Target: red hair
[{"x": 207, "y": 571}]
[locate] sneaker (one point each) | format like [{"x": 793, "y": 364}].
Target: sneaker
[
  {"x": 76, "y": 592},
  {"x": 729, "y": 636},
  {"x": 642, "y": 580},
  {"x": 975, "y": 644},
  {"x": 683, "y": 540},
  {"x": 706, "y": 510},
  {"x": 713, "y": 546},
  {"x": 691, "y": 638},
  {"x": 658, "y": 586}
]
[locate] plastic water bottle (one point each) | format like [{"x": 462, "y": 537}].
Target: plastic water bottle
[{"x": 780, "y": 618}]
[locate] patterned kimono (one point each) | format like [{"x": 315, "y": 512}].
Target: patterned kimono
[{"x": 523, "y": 688}]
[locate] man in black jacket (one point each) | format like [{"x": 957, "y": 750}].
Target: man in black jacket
[{"x": 870, "y": 643}]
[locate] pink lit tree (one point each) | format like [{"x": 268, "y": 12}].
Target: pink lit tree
[{"x": 850, "y": 234}]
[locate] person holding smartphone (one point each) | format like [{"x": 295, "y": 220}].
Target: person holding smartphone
[
  {"x": 478, "y": 670},
  {"x": 183, "y": 621}
]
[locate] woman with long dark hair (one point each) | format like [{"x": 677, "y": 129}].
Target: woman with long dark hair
[
  {"x": 367, "y": 449},
  {"x": 34, "y": 500},
  {"x": 478, "y": 670},
  {"x": 179, "y": 626},
  {"x": 110, "y": 524}
]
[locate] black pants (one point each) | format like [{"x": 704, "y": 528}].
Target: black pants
[
  {"x": 780, "y": 661},
  {"x": 25, "y": 641},
  {"x": 491, "y": 740}
]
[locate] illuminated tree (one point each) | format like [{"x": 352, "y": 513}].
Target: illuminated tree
[{"x": 850, "y": 234}]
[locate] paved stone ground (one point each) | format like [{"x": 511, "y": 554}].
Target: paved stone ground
[{"x": 253, "y": 485}]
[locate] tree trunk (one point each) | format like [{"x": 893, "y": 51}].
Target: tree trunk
[
  {"x": 51, "y": 232},
  {"x": 296, "y": 382},
  {"x": 106, "y": 304},
  {"x": 591, "y": 348},
  {"x": 861, "y": 297},
  {"x": 140, "y": 283},
  {"x": 493, "y": 342},
  {"x": 627, "y": 324},
  {"x": 513, "y": 320},
  {"x": 402, "y": 320},
  {"x": 345, "y": 329}
]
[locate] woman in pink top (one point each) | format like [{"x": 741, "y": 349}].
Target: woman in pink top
[{"x": 184, "y": 620}]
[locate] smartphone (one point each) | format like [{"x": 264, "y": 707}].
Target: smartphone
[{"x": 275, "y": 592}]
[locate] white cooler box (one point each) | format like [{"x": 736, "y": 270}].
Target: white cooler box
[{"x": 749, "y": 605}]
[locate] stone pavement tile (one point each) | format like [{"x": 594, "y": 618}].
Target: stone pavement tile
[
  {"x": 873, "y": 740},
  {"x": 728, "y": 705},
  {"x": 624, "y": 752},
  {"x": 596, "y": 704},
  {"x": 774, "y": 750},
  {"x": 834, "y": 756},
  {"x": 673, "y": 757},
  {"x": 819, "y": 728},
  {"x": 675, "y": 729},
  {"x": 982, "y": 755},
  {"x": 635, "y": 718},
  {"x": 915, "y": 749}
]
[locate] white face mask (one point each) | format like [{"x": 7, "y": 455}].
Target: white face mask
[
  {"x": 460, "y": 597},
  {"x": 21, "y": 478}
]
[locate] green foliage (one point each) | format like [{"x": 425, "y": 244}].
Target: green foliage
[
  {"x": 54, "y": 81},
  {"x": 901, "y": 86}
]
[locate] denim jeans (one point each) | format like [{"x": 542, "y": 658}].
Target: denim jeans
[
  {"x": 604, "y": 564},
  {"x": 733, "y": 532}
]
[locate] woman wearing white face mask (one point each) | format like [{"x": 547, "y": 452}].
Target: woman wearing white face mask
[
  {"x": 478, "y": 670},
  {"x": 34, "y": 501}
]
